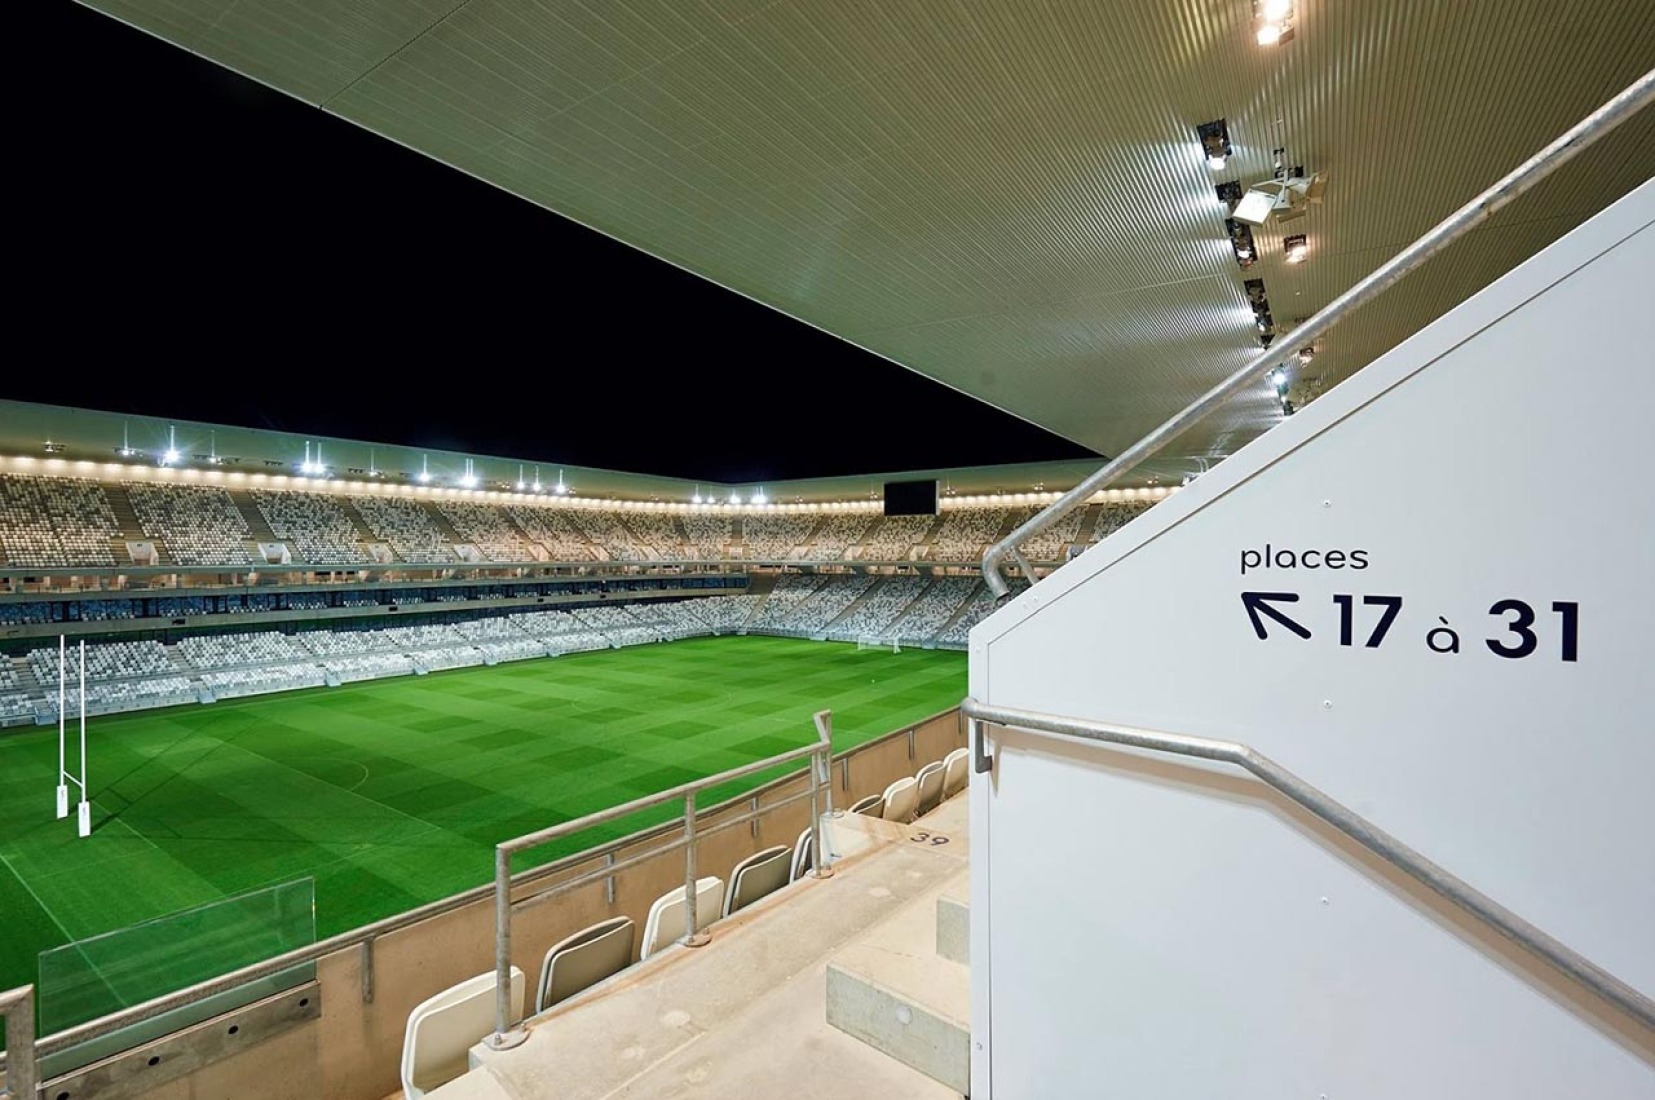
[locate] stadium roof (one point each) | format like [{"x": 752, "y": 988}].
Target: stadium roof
[
  {"x": 58, "y": 439},
  {"x": 1009, "y": 198}
]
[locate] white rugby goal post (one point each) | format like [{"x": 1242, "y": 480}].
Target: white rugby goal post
[{"x": 83, "y": 815}]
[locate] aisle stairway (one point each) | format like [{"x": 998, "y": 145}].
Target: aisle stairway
[
  {"x": 904, "y": 987},
  {"x": 748, "y": 1015}
]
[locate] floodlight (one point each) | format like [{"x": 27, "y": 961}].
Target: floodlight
[
  {"x": 1295, "y": 248},
  {"x": 1215, "y": 142},
  {"x": 171, "y": 456},
  {"x": 1255, "y": 207}
]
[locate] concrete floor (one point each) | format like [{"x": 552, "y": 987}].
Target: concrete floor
[{"x": 744, "y": 1016}]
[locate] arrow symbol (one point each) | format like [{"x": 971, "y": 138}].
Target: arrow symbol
[{"x": 1256, "y": 602}]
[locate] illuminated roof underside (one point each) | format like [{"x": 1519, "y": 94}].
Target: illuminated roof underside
[{"x": 1008, "y": 197}]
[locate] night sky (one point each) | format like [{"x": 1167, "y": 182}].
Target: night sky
[{"x": 194, "y": 245}]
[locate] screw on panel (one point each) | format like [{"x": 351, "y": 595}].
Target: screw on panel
[
  {"x": 1326, "y": 504},
  {"x": 1327, "y": 704}
]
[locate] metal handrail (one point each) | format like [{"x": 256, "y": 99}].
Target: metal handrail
[
  {"x": 507, "y": 1030},
  {"x": 17, "y": 1005},
  {"x": 1569, "y": 962},
  {"x": 1521, "y": 179}
]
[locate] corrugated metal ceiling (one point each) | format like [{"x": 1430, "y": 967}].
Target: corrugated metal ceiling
[{"x": 1006, "y": 196}]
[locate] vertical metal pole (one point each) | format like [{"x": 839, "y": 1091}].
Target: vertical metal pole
[
  {"x": 693, "y": 937},
  {"x": 83, "y": 824},
  {"x": 506, "y": 1034},
  {"x": 819, "y": 855},
  {"x": 366, "y": 963},
  {"x": 62, "y": 719},
  {"x": 20, "y": 1068}
]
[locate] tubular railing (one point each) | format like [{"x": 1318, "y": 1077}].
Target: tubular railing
[
  {"x": 18, "y": 1007},
  {"x": 1521, "y": 179},
  {"x": 507, "y": 1032},
  {"x": 1566, "y": 960}
]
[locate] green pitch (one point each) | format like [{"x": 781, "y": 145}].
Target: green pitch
[{"x": 392, "y": 793}]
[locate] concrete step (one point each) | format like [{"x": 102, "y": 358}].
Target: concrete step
[
  {"x": 892, "y": 990},
  {"x": 954, "y": 923},
  {"x": 744, "y": 1016}
]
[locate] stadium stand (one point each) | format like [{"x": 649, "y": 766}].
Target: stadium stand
[
  {"x": 488, "y": 528},
  {"x": 827, "y": 603},
  {"x": 927, "y": 614},
  {"x": 554, "y": 530},
  {"x": 104, "y": 661},
  {"x": 777, "y": 611},
  {"x": 229, "y": 683},
  {"x": 15, "y": 702},
  {"x": 605, "y": 530},
  {"x": 976, "y": 609},
  {"x": 775, "y": 538},
  {"x": 405, "y": 526},
  {"x": 315, "y": 526},
  {"x": 709, "y": 535},
  {"x": 836, "y": 537},
  {"x": 619, "y": 625},
  {"x": 198, "y": 524},
  {"x": 895, "y": 538},
  {"x": 1049, "y": 544},
  {"x": 500, "y": 639},
  {"x": 368, "y": 666},
  {"x": 223, "y": 651},
  {"x": 657, "y": 535},
  {"x": 966, "y": 532},
  {"x": 55, "y": 522},
  {"x": 879, "y": 610}
]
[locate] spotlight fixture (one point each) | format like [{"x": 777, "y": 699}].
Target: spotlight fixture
[
  {"x": 424, "y": 475},
  {"x": 1241, "y": 241},
  {"x": 1290, "y": 195},
  {"x": 521, "y": 484},
  {"x": 170, "y": 456},
  {"x": 735, "y": 498},
  {"x": 760, "y": 498},
  {"x": 1275, "y": 21},
  {"x": 1229, "y": 193},
  {"x": 1260, "y": 303},
  {"x": 1215, "y": 143},
  {"x": 560, "y": 489},
  {"x": 468, "y": 480},
  {"x": 696, "y": 499},
  {"x": 537, "y": 479},
  {"x": 1295, "y": 248},
  {"x": 52, "y": 448},
  {"x": 1307, "y": 353},
  {"x": 126, "y": 449}
]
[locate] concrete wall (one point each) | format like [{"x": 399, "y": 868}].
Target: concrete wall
[{"x": 353, "y": 1051}]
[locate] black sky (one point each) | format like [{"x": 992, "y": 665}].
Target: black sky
[{"x": 194, "y": 245}]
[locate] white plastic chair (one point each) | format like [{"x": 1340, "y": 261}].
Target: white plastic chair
[
  {"x": 441, "y": 1030},
  {"x": 802, "y": 856},
  {"x": 929, "y": 788},
  {"x": 955, "y": 772},
  {"x": 584, "y": 959},
  {"x": 901, "y": 798},
  {"x": 756, "y": 876},
  {"x": 666, "y": 916},
  {"x": 872, "y": 806}
]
